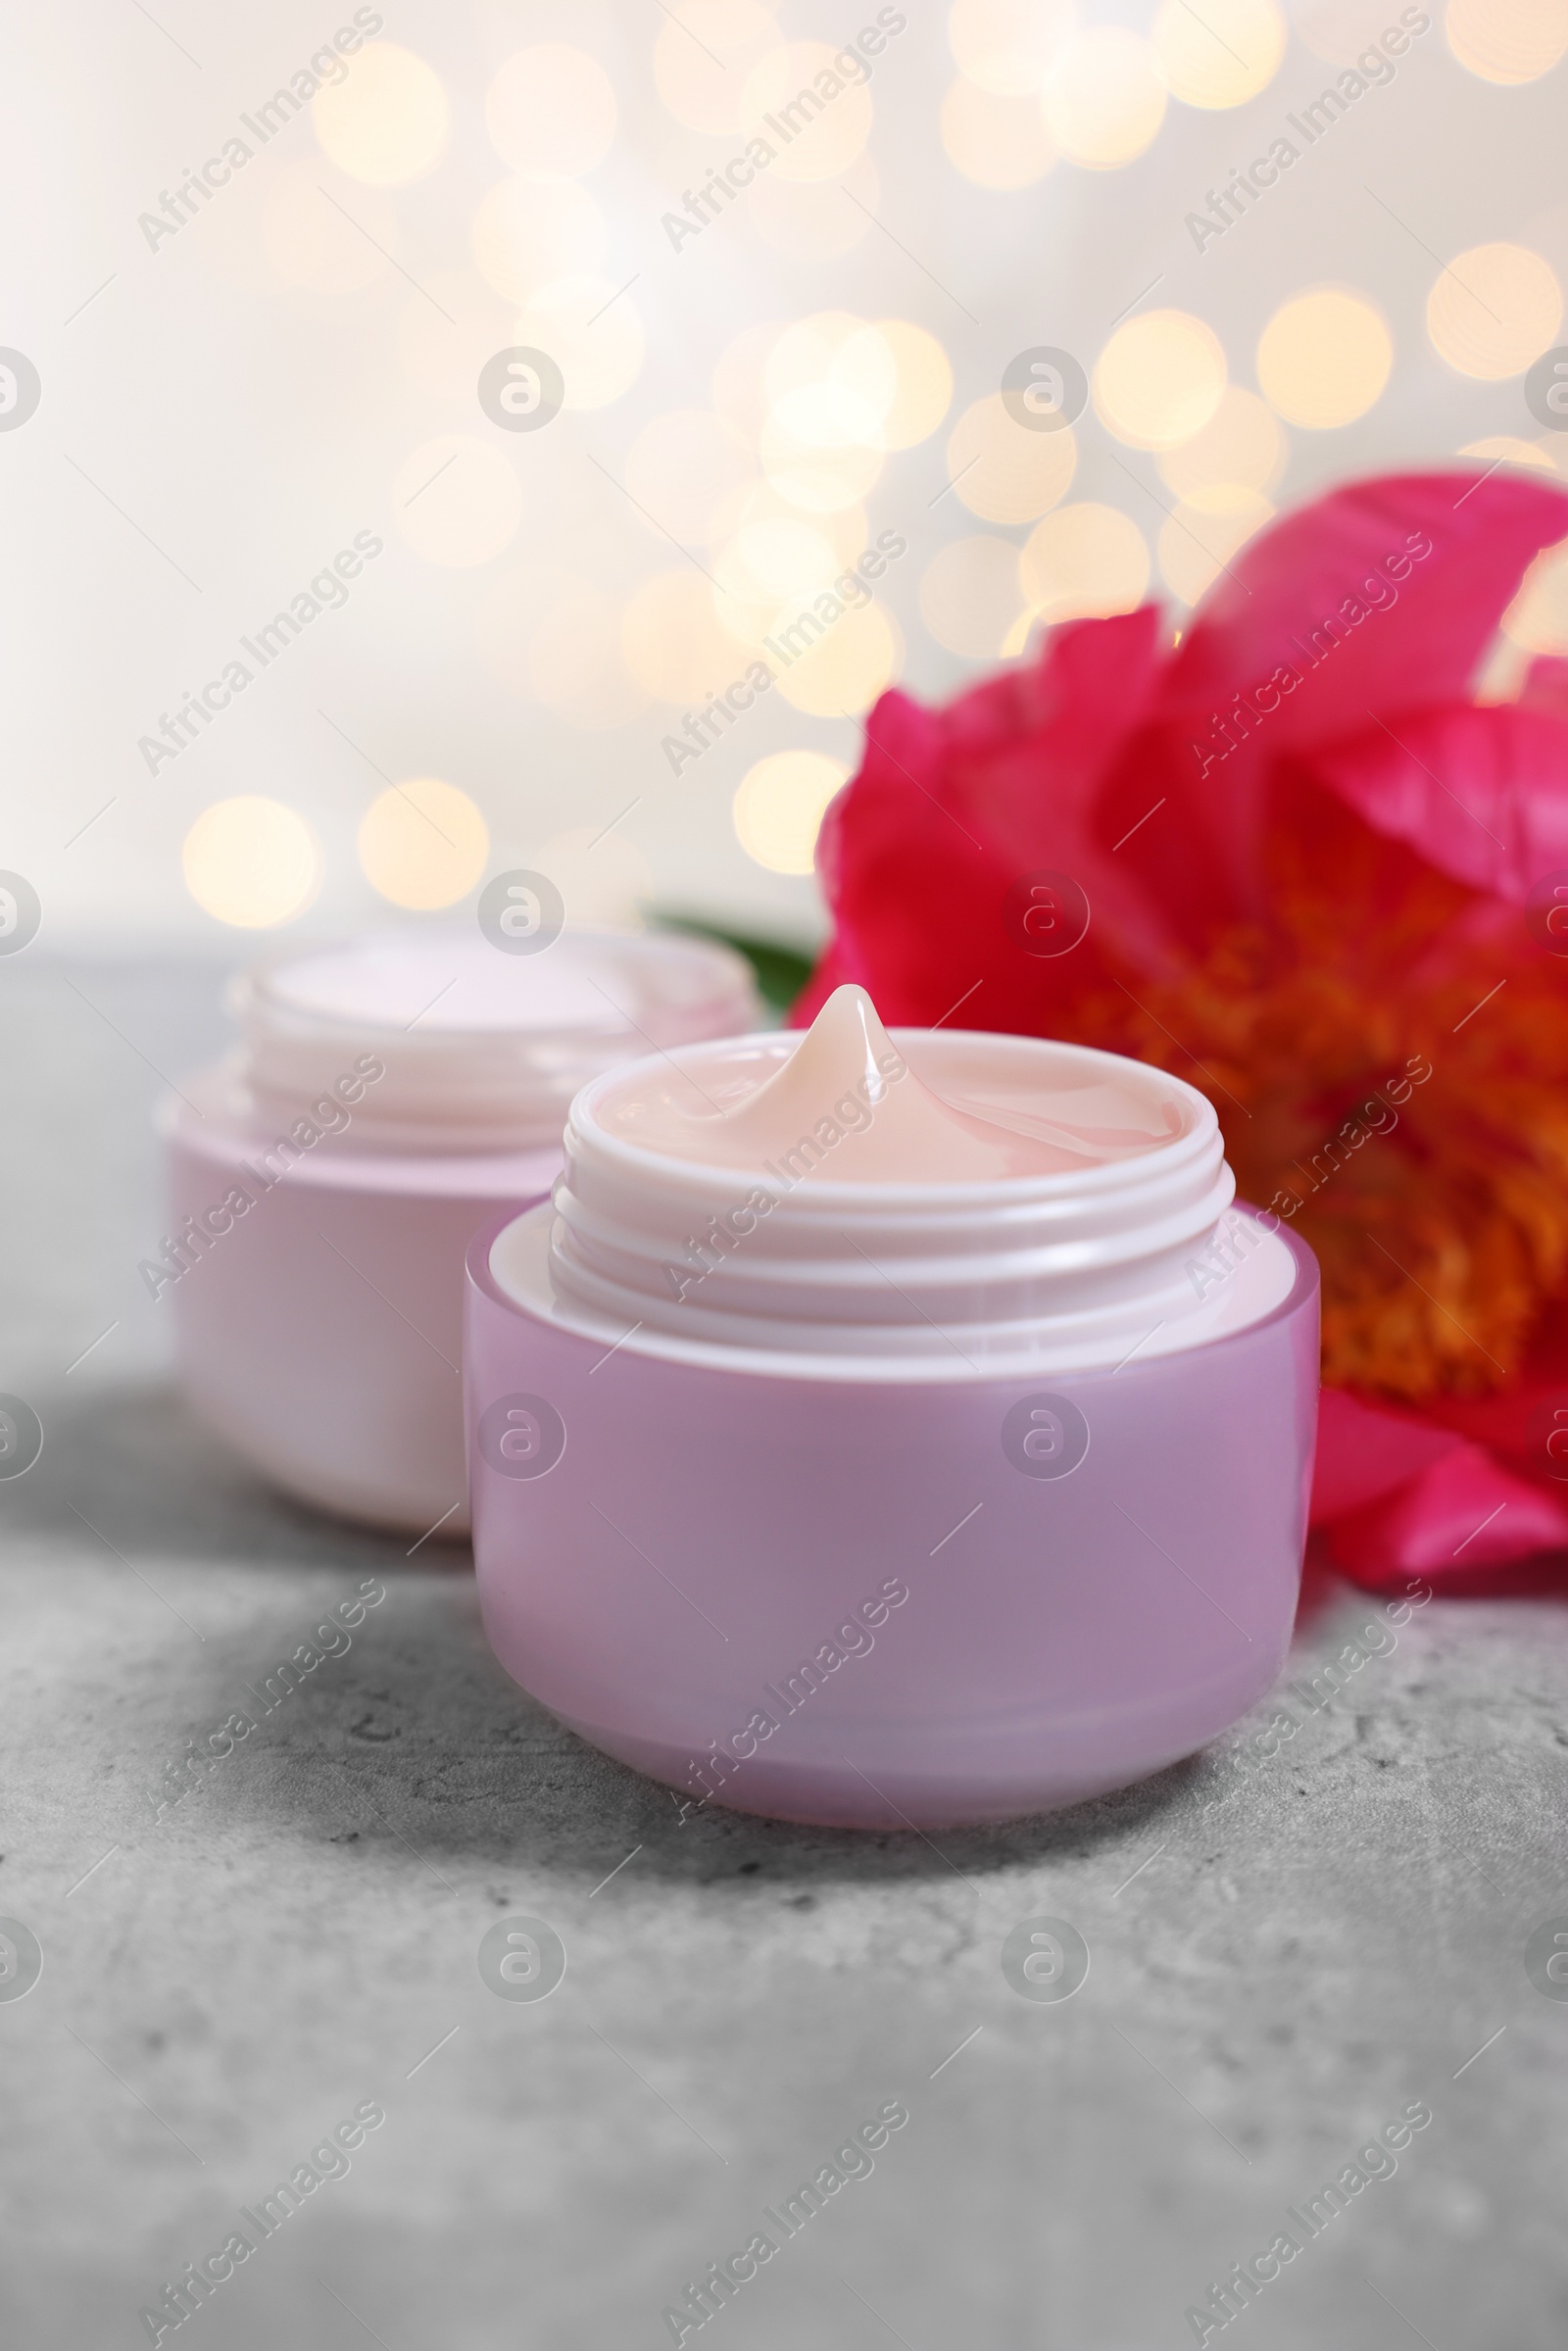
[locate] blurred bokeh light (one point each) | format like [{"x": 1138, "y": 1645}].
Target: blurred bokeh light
[
  {"x": 1002, "y": 472},
  {"x": 251, "y": 863},
  {"x": 422, "y": 843},
  {"x": 787, "y": 276},
  {"x": 1508, "y": 40},
  {"x": 1220, "y": 55},
  {"x": 1324, "y": 358},
  {"x": 550, "y": 108},
  {"x": 387, "y": 121},
  {"x": 1494, "y": 310},
  {"x": 1105, "y": 101},
  {"x": 1159, "y": 379},
  {"x": 779, "y": 807},
  {"x": 1082, "y": 560}
]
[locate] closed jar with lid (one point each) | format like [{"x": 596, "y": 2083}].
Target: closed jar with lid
[{"x": 384, "y": 1100}]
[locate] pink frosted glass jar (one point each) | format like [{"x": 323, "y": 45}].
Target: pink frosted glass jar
[
  {"x": 928, "y": 1502},
  {"x": 386, "y": 1099}
]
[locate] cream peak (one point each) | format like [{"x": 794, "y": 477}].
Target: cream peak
[{"x": 844, "y": 1106}]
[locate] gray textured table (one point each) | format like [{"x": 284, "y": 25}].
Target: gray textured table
[{"x": 1285, "y": 1953}]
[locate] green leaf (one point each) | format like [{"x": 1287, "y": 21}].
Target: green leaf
[{"x": 782, "y": 969}]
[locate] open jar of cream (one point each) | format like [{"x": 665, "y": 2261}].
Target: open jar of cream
[
  {"x": 886, "y": 1431},
  {"x": 387, "y": 1099}
]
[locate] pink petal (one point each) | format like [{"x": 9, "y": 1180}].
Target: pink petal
[
  {"x": 1365, "y": 1452},
  {"x": 1422, "y": 635},
  {"x": 1465, "y": 1512},
  {"x": 1480, "y": 789},
  {"x": 1283, "y": 620},
  {"x": 952, "y": 808}
]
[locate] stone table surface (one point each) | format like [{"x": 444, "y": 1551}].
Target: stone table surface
[{"x": 1288, "y": 1949}]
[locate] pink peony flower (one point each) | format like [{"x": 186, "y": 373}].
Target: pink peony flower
[{"x": 1294, "y": 858}]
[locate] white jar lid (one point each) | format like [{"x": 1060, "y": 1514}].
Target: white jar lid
[{"x": 481, "y": 1051}]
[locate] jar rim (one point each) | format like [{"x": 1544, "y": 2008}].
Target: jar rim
[
  {"x": 1064, "y": 1183},
  {"x": 480, "y": 1050}
]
